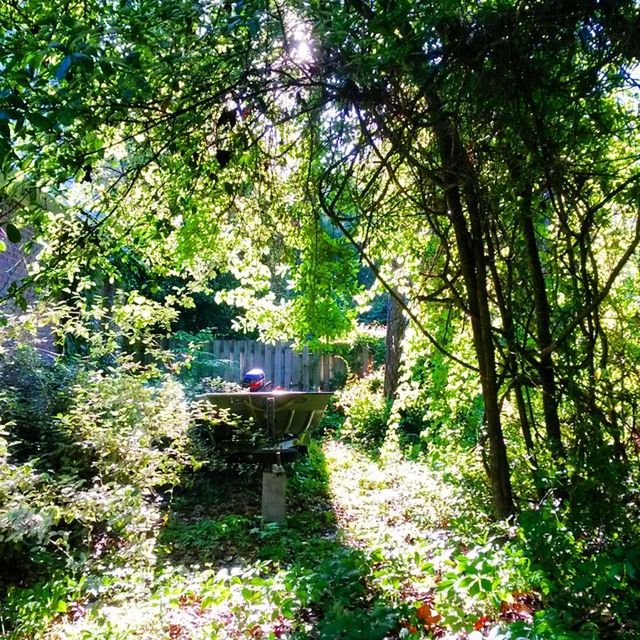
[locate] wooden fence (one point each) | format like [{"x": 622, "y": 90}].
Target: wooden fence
[{"x": 284, "y": 367}]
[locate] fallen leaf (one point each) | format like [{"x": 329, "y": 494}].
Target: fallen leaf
[
  {"x": 480, "y": 622},
  {"x": 426, "y": 615}
]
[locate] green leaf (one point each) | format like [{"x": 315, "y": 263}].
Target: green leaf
[
  {"x": 13, "y": 233},
  {"x": 6, "y": 147},
  {"x": 21, "y": 301},
  {"x": 63, "y": 67},
  {"x": 486, "y": 584},
  {"x": 66, "y": 116},
  {"x": 39, "y": 121},
  {"x": 445, "y": 584},
  {"x": 631, "y": 572},
  {"x": 3, "y": 246}
]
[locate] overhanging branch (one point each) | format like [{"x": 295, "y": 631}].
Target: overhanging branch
[{"x": 390, "y": 290}]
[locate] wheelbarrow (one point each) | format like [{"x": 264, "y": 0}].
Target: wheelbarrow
[{"x": 282, "y": 420}]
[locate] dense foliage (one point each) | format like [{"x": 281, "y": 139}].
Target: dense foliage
[
  {"x": 480, "y": 158},
  {"x": 110, "y": 536},
  {"x": 85, "y": 456}
]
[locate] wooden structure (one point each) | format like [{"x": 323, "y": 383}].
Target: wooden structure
[{"x": 285, "y": 367}]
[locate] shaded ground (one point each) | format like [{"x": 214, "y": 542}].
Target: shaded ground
[{"x": 363, "y": 550}]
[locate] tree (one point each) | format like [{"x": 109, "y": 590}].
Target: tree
[{"x": 491, "y": 144}]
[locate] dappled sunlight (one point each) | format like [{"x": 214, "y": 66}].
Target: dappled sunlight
[
  {"x": 357, "y": 551},
  {"x": 401, "y": 514},
  {"x": 367, "y": 545},
  {"x": 387, "y": 504},
  {"x": 382, "y": 539}
]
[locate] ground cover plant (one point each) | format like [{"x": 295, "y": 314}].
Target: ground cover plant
[{"x": 382, "y": 540}]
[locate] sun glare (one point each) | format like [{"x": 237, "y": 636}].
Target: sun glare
[
  {"x": 301, "y": 51},
  {"x": 299, "y": 34}
]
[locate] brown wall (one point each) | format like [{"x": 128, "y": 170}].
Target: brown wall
[
  {"x": 13, "y": 268},
  {"x": 12, "y": 264}
]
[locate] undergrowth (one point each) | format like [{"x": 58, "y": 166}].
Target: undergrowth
[{"x": 112, "y": 528}]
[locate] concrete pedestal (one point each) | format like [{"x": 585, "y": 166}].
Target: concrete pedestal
[{"x": 274, "y": 501}]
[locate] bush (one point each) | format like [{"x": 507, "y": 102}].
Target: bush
[
  {"x": 32, "y": 533},
  {"x": 32, "y": 393},
  {"x": 199, "y": 370},
  {"x": 366, "y": 347},
  {"x": 604, "y": 572},
  {"x": 128, "y": 431},
  {"x": 366, "y": 411},
  {"x": 82, "y": 454}
]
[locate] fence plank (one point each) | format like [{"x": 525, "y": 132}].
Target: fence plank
[
  {"x": 296, "y": 370},
  {"x": 256, "y": 355},
  {"x": 305, "y": 368},
  {"x": 246, "y": 348},
  {"x": 235, "y": 360},
  {"x": 326, "y": 372},
  {"x": 225, "y": 356},
  {"x": 277, "y": 366},
  {"x": 287, "y": 367},
  {"x": 314, "y": 371},
  {"x": 268, "y": 364}
]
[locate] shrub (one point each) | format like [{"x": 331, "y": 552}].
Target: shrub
[
  {"x": 79, "y": 465},
  {"x": 198, "y": 369},
  {"x": 603, "y": 571},
  {"x": 128, "y": 431},
  {"x": 366, "y": 411},
  {"x": 366, "y": 347},
  {"x": 483, "y": 581},
  {"x": 32, "y": 393}
]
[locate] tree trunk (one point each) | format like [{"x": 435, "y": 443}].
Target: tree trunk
[
  {"x": 510, "y": 357},
  {"x": 459, "y": 182},
  {"x": 396, "y": 328},
  {"x": 543, "y": 332}
]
